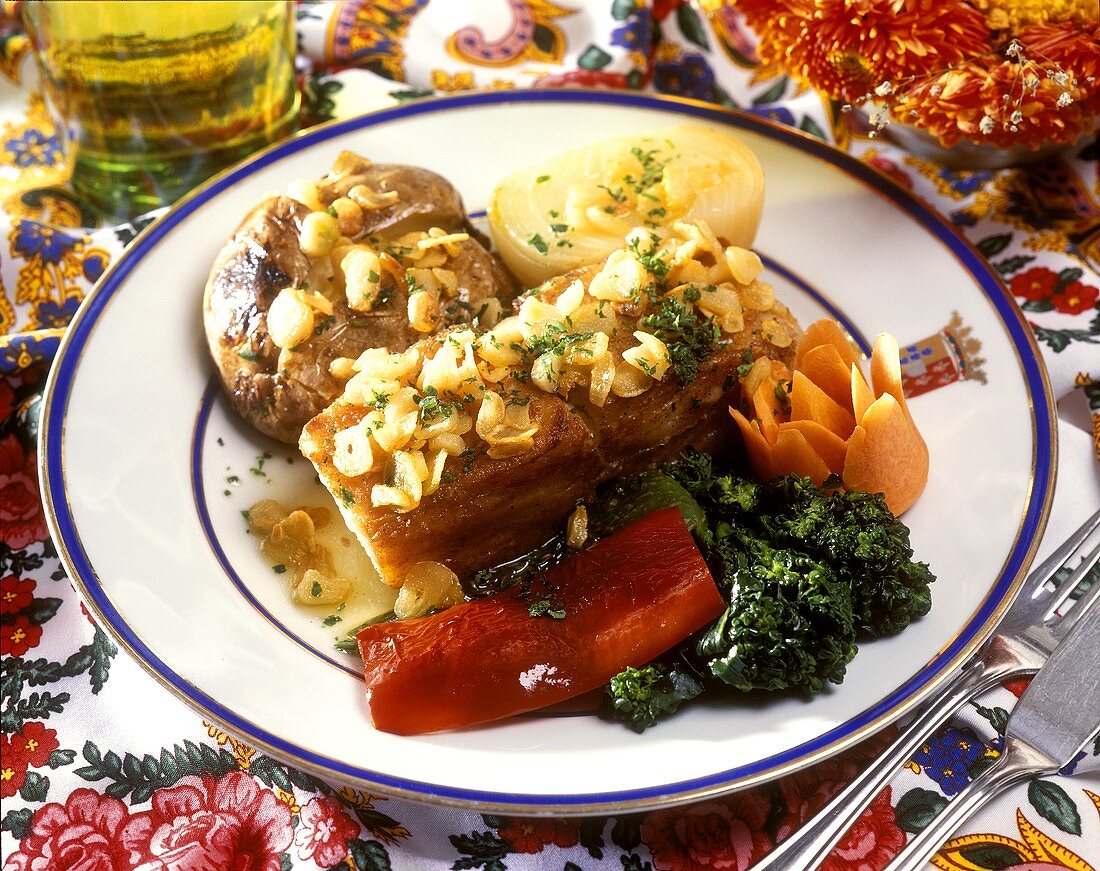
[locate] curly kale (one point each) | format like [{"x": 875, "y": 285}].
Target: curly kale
[
  {"x": 865, "y": 544},
  {"x": 805, "y": 570},
  {"x": 695, "y": 473},
  {"x": 639, "y": 696},
  {"x": 789, "y": 623}
]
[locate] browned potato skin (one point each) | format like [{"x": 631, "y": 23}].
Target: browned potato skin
[{"x": 264, "y": 256}]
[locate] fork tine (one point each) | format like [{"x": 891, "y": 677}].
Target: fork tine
[
  {"x": 1042, "y": 574},
  {"x": 1087, "y": 565}
]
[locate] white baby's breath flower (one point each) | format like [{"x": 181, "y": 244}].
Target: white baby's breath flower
[
  {"x": 1064, "y": 99},
  {"x": 936, "y": 90},
  {"x": 884, "y": 90},
  {"x": 987, "y": 125}
]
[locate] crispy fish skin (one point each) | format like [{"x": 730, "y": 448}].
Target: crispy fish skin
[{"x": 489, "y": 511}]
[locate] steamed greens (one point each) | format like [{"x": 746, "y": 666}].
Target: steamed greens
[{"x": 806, "y": 571}]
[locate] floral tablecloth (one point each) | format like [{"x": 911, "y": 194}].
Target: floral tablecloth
[{"x": 102, "y": 769}]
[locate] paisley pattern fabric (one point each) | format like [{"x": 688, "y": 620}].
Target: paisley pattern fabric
[{"x": 101, "y": 768}]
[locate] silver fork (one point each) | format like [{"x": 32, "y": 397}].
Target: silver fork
[{"x": 1027, "y": 634}]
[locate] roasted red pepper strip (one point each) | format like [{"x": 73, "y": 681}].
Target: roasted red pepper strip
[{"x": 627, "y": 599}]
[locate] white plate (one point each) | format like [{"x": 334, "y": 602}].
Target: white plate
[{"x": 137, "y": 447}]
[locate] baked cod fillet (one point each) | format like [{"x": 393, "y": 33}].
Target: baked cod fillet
[{"x": 472, "y": 448}]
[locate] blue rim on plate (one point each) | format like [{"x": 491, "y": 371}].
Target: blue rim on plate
[{"x": 977, "y": 628}]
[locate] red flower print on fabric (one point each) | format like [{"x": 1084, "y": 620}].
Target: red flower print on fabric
[
  {"x": 531, "y": 835},
  {"x": 21, "y": 520},
  {"x": 323, "y": 832},
  {"x": 1034, "y": 284},
  {"x": 13, "y": 770},
  {"x": 19, "y": 635},
  {"x": 1075, "y": 298},
  {"x": 15, "y": 594},
  {"x": 229, "y": 823},
  {"x": 83, "y": 833},
  {"x": 872, "y": 841},
  {"x": 33, "y": 745},
  {"x": 726, "y": 834},
  {"x": 806, "y": 792},
  {"x": 7, "y": 399}
]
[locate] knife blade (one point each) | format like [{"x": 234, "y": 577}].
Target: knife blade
[
  {"x": 1055, "y": 717},
  {"x": 1060, "y": 710}
]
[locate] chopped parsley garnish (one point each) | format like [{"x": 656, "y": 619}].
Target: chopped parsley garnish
[
  {"x": 538, "y": 243},
  {"x": 248, "y": 354},
  {"x": 432, "y": 408},
  {"x": 315, "y": 590},
  {"x": 258, "y": 469},
  {"x": 348, "y": 642},
  {"x": 542, "y": 179},
  {"x": 468, "y": 457},
  {"x": 411, "y": 285},
  {"x": 653, "y": 171},
  {"x": 448, "y": 477},
  {"x": 331, "y": 210},
  {"x": 346, "y": 497},
  {"x": 278, "y": 568},
  {"x": 746, "y": 367},
  {"x": 232, "y": 479},
  {"x": 617, "y": 194},
  {"x": 373, "y": 277},
  {"x": 649, "y": 258},
  {"x": 331, "y": 620},
  {"x": 380, "y": 400},
  {"x": 783, "y": 393},
  {"x": 323, "y": 325},
  {"x": 559, "y": 228},
  {"x": 541, "y": 598},
  {"x": 689, "y": 337},
  {"x": 556, "y": 340},
  {"x": 221, "y": 442}
]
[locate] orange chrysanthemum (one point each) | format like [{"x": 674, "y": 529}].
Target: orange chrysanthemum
[
  {"x": 1074, "y": 47},
  {"x": 968, "y": 102},
  {"x": 848, "y": 47}
]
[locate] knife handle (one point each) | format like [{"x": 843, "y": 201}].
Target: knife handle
[
  {"x": 1018, "y": 762},
  {"x": 813, "y": 842}
]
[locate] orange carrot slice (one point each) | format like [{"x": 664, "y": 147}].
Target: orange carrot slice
[
  {"x": 766, "y": 406},
  {"x": 886, "y": 368},
  {"x": 825, "y": 368},
  {"x": 862, "y": 397},
  {"x": 793, "y": 453},
  {"x": 887, "y": 455},
  {"x": 825, "y": 332},
  {"x": 810, "y": 402},
  {"x": 757, "y": 447},
  {"x": 830, "y": 447}
]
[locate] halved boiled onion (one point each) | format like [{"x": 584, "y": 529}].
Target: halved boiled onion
[{"x": 575, "y": 208}]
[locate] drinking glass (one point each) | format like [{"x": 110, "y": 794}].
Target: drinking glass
[{"x": 155, "y": 97}]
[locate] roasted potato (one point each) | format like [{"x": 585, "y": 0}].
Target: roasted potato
[{"x": 277, "y": 389}]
